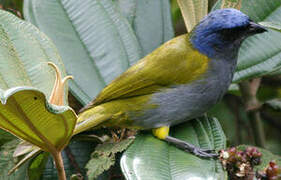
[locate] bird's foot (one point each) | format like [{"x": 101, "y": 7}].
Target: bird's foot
[{"x": 203, "y": 153}]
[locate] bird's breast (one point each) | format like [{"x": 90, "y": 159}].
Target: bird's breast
[{"x": 183, "y": 102}]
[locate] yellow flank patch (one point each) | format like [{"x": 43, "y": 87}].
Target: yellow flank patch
[{"x": 161, "y": 132}]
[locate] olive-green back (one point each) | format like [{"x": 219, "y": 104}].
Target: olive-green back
[{"x": 175, "y": 62}]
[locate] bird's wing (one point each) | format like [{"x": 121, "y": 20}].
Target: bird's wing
[{"x": 175, "y": 62}]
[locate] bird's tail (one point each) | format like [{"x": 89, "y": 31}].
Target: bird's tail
[{"x": 90, "y": 119}]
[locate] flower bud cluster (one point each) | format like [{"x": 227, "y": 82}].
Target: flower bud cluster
[
  {"x": 239, "y": 164},
  {"x": 271, "y": 172}
]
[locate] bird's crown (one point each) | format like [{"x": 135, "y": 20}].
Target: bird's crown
[
  {"x": 224, "y": 19},
  {"x": 221, "y": 33}
]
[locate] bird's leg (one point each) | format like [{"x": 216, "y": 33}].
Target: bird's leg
[
  {"x": 122, "y": 135},
  {"x": 163, "y": 134},
  {"x": 114, "y": 136},
  {"x": 203, "y": 153},
  {"x": 119, "y": 135}
]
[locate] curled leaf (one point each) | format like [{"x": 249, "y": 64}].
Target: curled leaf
[
  {"x": 57, "y": 95},
  {"x": 23, "y": 148},
  {"x": 25, "y": 112}
]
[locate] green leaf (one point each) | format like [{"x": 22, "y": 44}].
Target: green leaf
[
  {"x": 24, "y": 52},
  {"x": 193, "y": 11},
  {"x": 152, "y": 20},
  {"x": 149, "y": 20},
  {"x": 150, "y": 157},
  {"x": 37, "y": 166},
  {"x": 100, "y": 43},
  {"x": 261, "y": 54},
  {"x": 98, "y": 164},
  {"x": 7, "y": 162},
  {"x": 25, "y": 112},
  {"x": 227, "y": 120},
  {"x": 104, "y": 157},
  {"x": 267, "y": 156},
  {"x": 272, "y": 25},
  {"x": 26, "y": 81}
]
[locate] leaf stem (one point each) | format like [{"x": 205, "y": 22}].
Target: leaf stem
[
  {"x": 249, "y": 91},
  {"x": 59, "y": 165}
]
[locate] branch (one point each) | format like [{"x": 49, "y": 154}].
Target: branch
[{"x": 249, "y": 91}]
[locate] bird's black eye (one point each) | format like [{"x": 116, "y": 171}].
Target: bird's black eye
[
  {"x": 232, "y": 34},
  {"x": 35, "y": 98}
]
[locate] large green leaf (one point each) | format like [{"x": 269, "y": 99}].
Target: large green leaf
[
  {"x": 150, "y": 157},
  {"x": 96, "y": 38},
  {"x": 151, "y": 22},
  {"x": 24, "y": 53},
  {"x": 261, "y": 54},
  {"x": 26, "y": 82},
  {"x": 25, "y": 112}
]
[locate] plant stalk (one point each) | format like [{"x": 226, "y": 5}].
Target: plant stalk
[
  {"x": 249, "y": 91},
  {"x": 59, "y": 165},
  {"x": 256, "y": 123}
]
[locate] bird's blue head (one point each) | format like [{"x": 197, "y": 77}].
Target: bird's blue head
[{"x": 222, "y": 31}]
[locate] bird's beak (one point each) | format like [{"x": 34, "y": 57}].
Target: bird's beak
[{"x": 256, "y": 28}]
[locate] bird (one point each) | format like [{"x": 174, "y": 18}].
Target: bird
[{"x": 179, "y": 81}]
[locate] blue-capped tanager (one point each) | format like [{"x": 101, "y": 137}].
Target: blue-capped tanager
[{"x": 178, "y": 81}]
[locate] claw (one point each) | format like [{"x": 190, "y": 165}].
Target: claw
[{"x": 203, "y": 153}]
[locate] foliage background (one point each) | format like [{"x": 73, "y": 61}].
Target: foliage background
[{"x": 230, "y": 112}]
